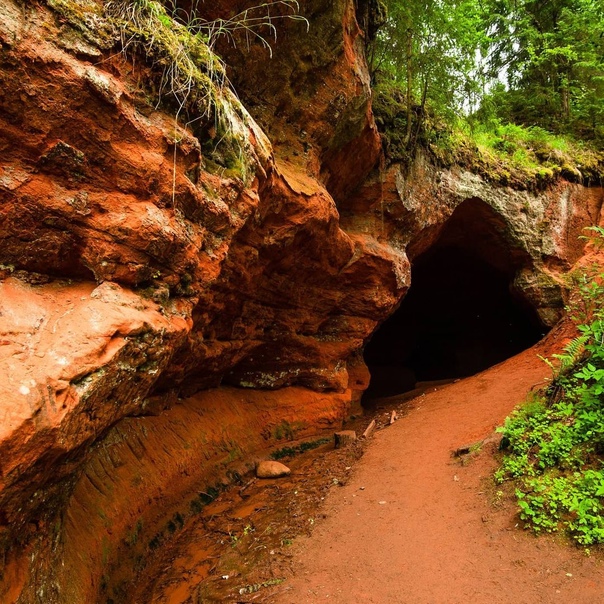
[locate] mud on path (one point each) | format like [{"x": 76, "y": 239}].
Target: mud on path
[{"x": 406, "y": 523}]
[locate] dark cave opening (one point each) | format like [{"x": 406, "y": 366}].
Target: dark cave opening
[{"x": 459, "y": 317}]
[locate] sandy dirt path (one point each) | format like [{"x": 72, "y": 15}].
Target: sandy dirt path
[{"x": 416, "y": 526}]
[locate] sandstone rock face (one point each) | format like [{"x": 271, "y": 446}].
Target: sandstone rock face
[
  {"x": 315, "y": 99},
  {"x": 533, "y": 236},
  {"x": 137, "y": 274},
  {"x": 153, "y": 472},
  {"x": 75, "y": 359},
  {"x": 133, "y": 276}
]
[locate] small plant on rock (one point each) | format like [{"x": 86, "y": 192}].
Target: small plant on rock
[
  {"x": 181, "y": 46},
  {"x": 185, "y": 73}
]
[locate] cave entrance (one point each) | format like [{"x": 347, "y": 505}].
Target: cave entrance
[{"x": 461, "y": 314}]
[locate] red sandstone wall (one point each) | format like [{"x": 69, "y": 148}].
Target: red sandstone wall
[{"x": 133, "y": 277}]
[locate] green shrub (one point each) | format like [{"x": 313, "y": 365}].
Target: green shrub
[{"x": 555, "y": 442}]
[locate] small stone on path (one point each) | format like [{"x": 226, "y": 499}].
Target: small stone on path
[
  {"x": 344, "y": 438},
  {"x": 271, "y": 469}
]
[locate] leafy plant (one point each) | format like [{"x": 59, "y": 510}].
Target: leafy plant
[
  {"x": 509, "y": 89},
  {"x": 555, "y": 442},
  {"x": 503, "y": 153}
]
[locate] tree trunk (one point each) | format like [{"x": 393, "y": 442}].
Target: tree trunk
[
  {"x": 420, "y": 116},
  {"x": 409, "y": 56}
]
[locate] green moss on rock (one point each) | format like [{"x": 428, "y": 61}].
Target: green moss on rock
[{"x": 506, "y": 154}]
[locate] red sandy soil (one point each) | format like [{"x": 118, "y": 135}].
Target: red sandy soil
[{"x": 416, "y": 525}]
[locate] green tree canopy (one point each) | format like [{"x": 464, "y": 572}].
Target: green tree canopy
[
  {"x": 551, "y": 56},
  {"x": 530, "y": 62}
]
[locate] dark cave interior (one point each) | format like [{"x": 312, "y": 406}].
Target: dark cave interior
[{"x": 460, "y": 315}]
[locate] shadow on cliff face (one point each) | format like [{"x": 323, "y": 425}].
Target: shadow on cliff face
[{"x": 461, "y": 314}]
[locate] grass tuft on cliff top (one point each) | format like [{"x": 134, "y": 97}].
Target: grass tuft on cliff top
[
  {"x": 533, "y": 155},
  {"x": 503, "y": 153},
  {"x": 189, "y": 73},
  {"x": 185, "y": 76}
]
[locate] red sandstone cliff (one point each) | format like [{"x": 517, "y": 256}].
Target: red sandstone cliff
[{"x": 139, "y": 273}]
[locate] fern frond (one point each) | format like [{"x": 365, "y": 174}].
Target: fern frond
[
  {"x": 573, "y": 351},
  {"x": 547, "y": 362}
]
